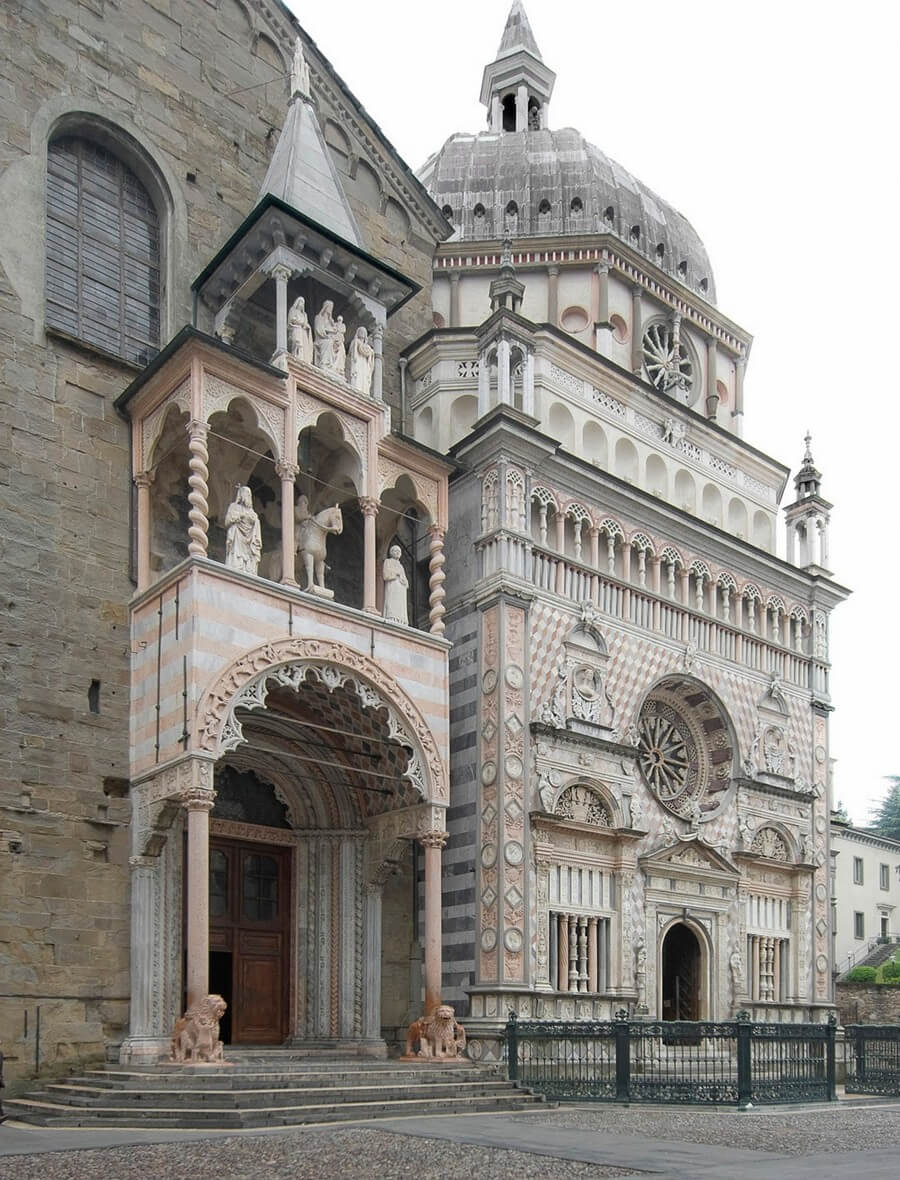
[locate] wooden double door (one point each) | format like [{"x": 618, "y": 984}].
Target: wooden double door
[{"x": 249, "y": 909}]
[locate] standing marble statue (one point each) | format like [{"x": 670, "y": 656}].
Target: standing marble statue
[
  {"x": 299, "y": 331},
  {"x": 243, "y": 539},
  {"x": 396, "y": 584},
  {"x": 329, "y": 344},
  {"x": 362, "y": 362}
]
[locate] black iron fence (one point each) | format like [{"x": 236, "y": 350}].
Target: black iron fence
[
  {"x": 732, "y": 1062},
  {"x": 873, "y": 1058}
]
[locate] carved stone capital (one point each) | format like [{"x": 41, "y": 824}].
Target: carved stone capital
[
  {"x": 368, "y": 506},
  {"x": 281, "y": 272},
  {"x": 197, "y": 428},
  {"x": 553, "y": 271},
  {"x": 454, "y": 276},
  {"x": 286, "y": 470},
  {"x": 433, "y": 839},
  {"x": 136, "y": 863},
  {"x": 437, "y": 533},
  {"x": 198, "y": 798}
]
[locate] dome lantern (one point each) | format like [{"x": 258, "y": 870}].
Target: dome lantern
[{"x": 516, "y": 86}]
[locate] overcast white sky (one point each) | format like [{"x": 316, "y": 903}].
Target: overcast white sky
[{"x": 775, "y": 128}]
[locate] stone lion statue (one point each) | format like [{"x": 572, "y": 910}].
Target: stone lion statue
[
  {"x": 196, "y": 1035},
  {"x": 437, "y": 1035}
]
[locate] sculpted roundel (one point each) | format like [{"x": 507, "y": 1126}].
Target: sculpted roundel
[{"x": 685, "y": 749}]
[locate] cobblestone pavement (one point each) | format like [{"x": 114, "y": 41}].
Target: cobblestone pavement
[
  {"x": 602, "y": 1141},
  {"x": 802, "y": 1131},
  {"x": 349, "y": 1153}
]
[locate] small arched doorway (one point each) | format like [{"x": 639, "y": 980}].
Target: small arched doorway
[{"x": 681, "y": 974}]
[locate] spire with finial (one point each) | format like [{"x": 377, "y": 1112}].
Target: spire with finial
[
  {"x": 301, "y": 172},
  {"x": 506, "y": 291},
  {"x": 516, "y": 86},
  {"x": 808, "y": 481},
  {"x": 517, "y": 34}
]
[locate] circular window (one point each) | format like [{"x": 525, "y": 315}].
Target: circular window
[
  {"x": 447, "y": 212},
  {"x": 685, "y": 749},
  {"x": 576, "y": 206},
  {"x": 669, "y": 368},
  {"x": 619, "y": 328},
  {"x": 574, "y": 319},
  {"x": 544, "y": 207}
]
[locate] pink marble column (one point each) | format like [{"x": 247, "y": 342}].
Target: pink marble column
[
  {"x": 198, "y": 482},
  {"x": 143, "y": 481},
  {"x": 287, "y": 473},
  {"x": 433, "y": 842},
  {"x": 198, "y": 802},
  {"x": 369, "y": 508}
]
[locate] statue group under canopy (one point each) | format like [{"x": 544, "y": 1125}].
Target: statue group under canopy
[{"x": 323, "y": 344}]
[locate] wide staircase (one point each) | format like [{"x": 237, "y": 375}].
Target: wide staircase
[
  {"x": 271, "y": 1089},
  {"x": 879, "y": 952}
]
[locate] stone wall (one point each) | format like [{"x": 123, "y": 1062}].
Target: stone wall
[
  {"x": 198, "y": 91},
  {"x": 867, "y": 1003}
]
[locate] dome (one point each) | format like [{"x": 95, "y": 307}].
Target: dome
[{"x": 535, "y": 182}]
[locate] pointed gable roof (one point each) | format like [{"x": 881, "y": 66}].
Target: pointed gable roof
[
  {"x": 302, "y": 174},
  {"x": 517, "y": 34}
]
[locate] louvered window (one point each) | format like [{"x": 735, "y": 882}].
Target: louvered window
[{"x": 102, "y": 252}]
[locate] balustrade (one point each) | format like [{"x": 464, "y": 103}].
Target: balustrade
[
  {"x": 579, "y": 952},
  {"x": 737, "y": 640}
]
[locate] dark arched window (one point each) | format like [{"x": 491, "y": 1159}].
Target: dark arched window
[{"x": 103, "y": 253}]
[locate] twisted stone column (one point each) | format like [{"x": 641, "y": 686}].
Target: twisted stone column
[
  {"x": 198, "y": 482},
  {"x": 436, "y": 580}
]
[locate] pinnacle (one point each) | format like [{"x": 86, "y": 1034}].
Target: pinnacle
[{"x": 517, "y": 34}]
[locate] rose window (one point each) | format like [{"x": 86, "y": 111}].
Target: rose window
[
  {"x": 685, "y": 750},
  {"x": 668, "y": 363},
  {"x": 664, "y": 756}
]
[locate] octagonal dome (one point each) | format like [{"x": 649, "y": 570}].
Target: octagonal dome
[{"x": 539, "y": 182}]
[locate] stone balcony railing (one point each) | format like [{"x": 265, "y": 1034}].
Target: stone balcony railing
[{"x": 640, "y": 607}]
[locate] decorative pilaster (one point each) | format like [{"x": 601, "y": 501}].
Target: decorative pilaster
[
  {"x": 143, "y": 482},
  {"x": 602, "y": 331},
  {"x": 484, "y": 385},
  {"x": 712, "y": 393},
  {"x": 552, "y": 295},
  {"x": 637, "y": 331},
  {"x": 436, "y": 578},
  {"x": 198, "y": 482},
  {"x": 287, "y": 473},
  {"x": 369, "y": 508},
  {"x": 433, "y": 843},
  {"x": 528, "y": 384},
  {"x": 454, "y": 300},
  {"x": 738, "y": 412}
]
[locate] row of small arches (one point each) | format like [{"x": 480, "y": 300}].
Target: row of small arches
[{"x": 567, "y": 529}]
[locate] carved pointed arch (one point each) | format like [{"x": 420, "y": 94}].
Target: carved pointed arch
[{"x": 244, "y": 684}]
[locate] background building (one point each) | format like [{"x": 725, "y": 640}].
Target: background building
[
  {"x": 215, "y": 778},
  {"x": 866, "y": 889}
]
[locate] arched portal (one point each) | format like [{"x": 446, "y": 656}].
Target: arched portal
[
  {"x": 325, "y": 774},
  {"x": 682, "y": 992}
]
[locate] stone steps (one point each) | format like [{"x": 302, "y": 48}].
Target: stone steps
[
  {"x": 294, "y": 1093},
  {"x": 70, "y": 1094}
]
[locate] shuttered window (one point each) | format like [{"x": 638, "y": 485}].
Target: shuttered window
[{"x": 102, "y": 252}]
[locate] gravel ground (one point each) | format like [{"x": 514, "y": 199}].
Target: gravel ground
[
  {"x": 352, "y": 1153},
  {"x": 797, "y": 1132}
]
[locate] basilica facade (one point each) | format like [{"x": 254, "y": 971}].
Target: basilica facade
[{"x": 401, "y": 619}]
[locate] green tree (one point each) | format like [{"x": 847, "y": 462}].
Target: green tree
[{"x": 886, "y": 816}]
